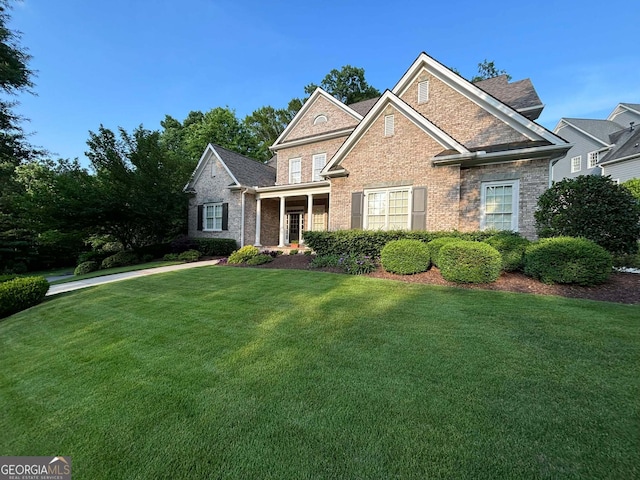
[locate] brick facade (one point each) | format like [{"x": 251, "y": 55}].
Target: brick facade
[
  {"x": 337, "y": 119},
  {"x": 305, "y": 153}
]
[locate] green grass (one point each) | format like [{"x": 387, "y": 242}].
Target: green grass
[
  {"x": 244, "y": 373},
  {"x": 111, "y": 271}
]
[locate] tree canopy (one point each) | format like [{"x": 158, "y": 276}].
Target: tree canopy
[
  {"x": 488, "y": 69},
  {"x": 347, "y": 84}
]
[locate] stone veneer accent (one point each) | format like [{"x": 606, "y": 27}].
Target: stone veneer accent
[{"x": 337, "y": 119}]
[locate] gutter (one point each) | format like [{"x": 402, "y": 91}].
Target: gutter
[{"x": 473, "y": 159}]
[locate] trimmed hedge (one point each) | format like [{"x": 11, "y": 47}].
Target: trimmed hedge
[
  {"x": 260, "y": 259},
  {"x": 405, "y": 257},
  {"x": 209, "y": 247},
  {"x": 189, "y": 256},
  {"x": 512, "y": 247},
  {"x": 568, "y": 260},
  {"x": 21, "y": 293},
  {"x": 86, "y": 267},
  {"x": 7, "y": 277},
  {"x": 120, "y": 259},
  {"x": 469, "y": 262},
  {"x": 435, "y": 246},
  {"x": 244, "y": 254}
]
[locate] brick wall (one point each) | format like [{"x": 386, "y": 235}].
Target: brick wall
[
  {"x": 305, "y": 152},
  {"x": 337, "y": 119}
]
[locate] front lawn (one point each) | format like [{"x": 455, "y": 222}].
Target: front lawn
[{"x": 243, "y": 373}]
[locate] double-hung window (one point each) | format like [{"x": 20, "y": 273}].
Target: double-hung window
[
  {"x": 212, "y": 217},
  {"x": 295, "y": 170},
  {"x": 387, "y": 209},
  {"x": 499, "y": 205},
  {"x": 319, "y": 161},
  {"x": 576, "y": 164},
  {"x": 592, "y": 159}
]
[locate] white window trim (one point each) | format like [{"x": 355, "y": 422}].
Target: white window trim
[
  {"x": 515, "y": 201},
  {"x": 389, "y": 125},
  {"x": 365, "y": 213},
  {"x": 204, "y": 217},
  {"x": 423, "y": 92},
  {"x": 573, "y": 169},
  {"x": 291, "y": 161},
  {"x": 322, "y": 118},
  {"x": 592, "y": 159},
  {"x": 316, "y": 172}
]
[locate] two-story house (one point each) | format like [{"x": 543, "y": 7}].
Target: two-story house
[{"x": 436, "y": 152}]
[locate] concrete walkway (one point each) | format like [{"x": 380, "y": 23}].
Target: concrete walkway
[{"x": 117, "y": 277}]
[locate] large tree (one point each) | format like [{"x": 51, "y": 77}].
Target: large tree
[
  {"x": 488, "y": 69},
  {"x": 347, "y": 84}
]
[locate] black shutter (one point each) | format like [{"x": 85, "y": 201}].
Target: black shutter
[
  {"x": 419, "y": 209},
  {"x": 356, "y": 209},
  {"x": 200, "y": 217},
  {"x": 225, "y": 216}
]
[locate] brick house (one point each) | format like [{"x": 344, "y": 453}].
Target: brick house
[{"x": 436, "y": 152}]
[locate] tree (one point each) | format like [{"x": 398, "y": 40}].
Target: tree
[
  {"x": 487, "y": 69},
  {"x": 593, "y": 207},
  {"x": 267, "y": 123},
  {"x": 347, "y": 84},
  {"x": 633, "y": 186}
]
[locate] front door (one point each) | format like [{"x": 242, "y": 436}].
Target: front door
[{"x": 294, "y": 226}]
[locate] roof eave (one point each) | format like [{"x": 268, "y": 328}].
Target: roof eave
[{"x": 474, "y": 159}]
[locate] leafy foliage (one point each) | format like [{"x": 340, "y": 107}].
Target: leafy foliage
[
  {"x": 436, "y": 244},
  {"x": 215, "y": 247},
  {"x": 120, "y": 259},
  {"x": 405, "y": 257},
  {"x": 357, "y": 264},
  {"x": 260, "y": 259},
  {"x": 86, "y": 267},
  {"x": 511, "y": 247},
  {"x": 324, "y": 261},
  {"x": 633, "y": 185},
  {"x": 593, "y": 207},
  {"x": 469, "y": 262},
  {"x": 243, "y": 254},
  {"x": 189, "y": 256},
  {"x": 347, "y": 85},
  {"x": 487, "y": 69},
  {"x": 567, "y": 260},
  {"x": 21, "y": 293}
]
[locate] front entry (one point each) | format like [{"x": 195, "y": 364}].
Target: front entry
[{"x": 294, "y": 225}]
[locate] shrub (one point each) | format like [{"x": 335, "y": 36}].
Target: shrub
[
  {"x": 435, "y": 246},
  {"x": 405, "y": 257},
  {"x": 216, "y": 247},
  {"x": 7, "y": 277},
  {"x": 567, "y": 260},
  {"x": 626, "y": 260},
  {"x": 170, "y": 257},
  {"x": 356, "y": 264},
  {"x": 182, "y": 243},
  {"x": 94, "y": 255},
  {"x": 469, "y": 262},
  {"x": 592, "y": 207},
  {"x": 633, "y": 186},
  {"x": 86, "y": 267},
  {"x": 147, "y": 258},
  {"x": 21, "y": 293},
  {"x": 156, "y": 250},
  {"x": 260, "y": 259},
  {"x": 273, "y": 253},
  {"x": 323, "y": 261},
  {"x": 293, "y": 251},
  {"x": 120, "y": 259},
  {"x": 307, "y": 253},
  {"x": 189, "y": 256},
  {"x": 511, "y": 247},
  {"x": 243, "y": 254}
]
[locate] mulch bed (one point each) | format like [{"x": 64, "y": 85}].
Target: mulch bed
[{"x": 620, "y": 288}]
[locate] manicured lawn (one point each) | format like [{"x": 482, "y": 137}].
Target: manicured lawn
[
  {"x": 244, "y": 373},
  {"x": 111, "y": 271}
]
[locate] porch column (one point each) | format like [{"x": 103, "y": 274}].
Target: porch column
[
  {"x": 309, "y": 224},
  {"x": 281, "y": 237},
  {"x": 258, "y": 219}
]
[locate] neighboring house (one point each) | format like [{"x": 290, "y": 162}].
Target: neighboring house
[
  {"x": 436, "y": 152},
  {"x": 622, "y": 163},
  {"x": 593, "y": 141}
]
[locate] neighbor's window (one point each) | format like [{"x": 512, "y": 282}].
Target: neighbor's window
[
  {"x": 387, "y": 209},
  {"x": 499, "y": 205},
  {"x": 319, "y": 161},
  {"x": 213, "y": 217},
  {"x": 592, "y": 159},
  {"x": 576, "y": 164},
  {"x": 295, "y": 170}
]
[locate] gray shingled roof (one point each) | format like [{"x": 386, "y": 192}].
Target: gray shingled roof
[
  {"x": 627, "y": 144},
  {"x": 247, "y": 171},
  {"x": 600, "y": 129},
  {"x": 635, "y": 106},
  {"x": 364, "y": 106},
  {"x": 518, "y": 95}
]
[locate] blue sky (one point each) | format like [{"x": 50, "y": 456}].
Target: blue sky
[{"x": 131, "y": 62}]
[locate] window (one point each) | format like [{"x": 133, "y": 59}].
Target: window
[
  {"x": 387, "y": 209},
  {"x": 389, "y": 125},
  {"x": 320, "y": 119},
  {"x": 576, "y": 164},
  {"x": 213, "y": 217},
  {"x": 319, "y": 161},
  {"x": 423, "y": 92},
  {"x": 592, "y": 159},
  {"x": 499, "y": 205},
  {"x": 295, "y": 170}
]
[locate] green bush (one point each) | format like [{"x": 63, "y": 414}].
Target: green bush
[
  {"x": 260, "y": 259},
  {"x": 511, "y": 247},
  {"x": 405, "y": 257},
  {"x": 357, "y": 264},
  {"x": 633, "y": 186},
  {"x": 170, "y": 257},
  {"x": 307, "y": 253},
  {"x": 567, "y": 260},
  {"x": 244, "y": 254},
  {"x": 120, "y": 259},
  {"x": 324, "y": 261},
  {"x": 189, "y": 256},
  {"x": 293, "y": 251},
  {"x": 21, "y": 293},
  {"x": 93, "y": 255},
  {"x": 435, "y": 246},
  {"x": 86, "y": 267},
  {"x": 6, "y": 278},
  {"x": 625, "y": 261},
  {"x": 469, "y": 262},
  {"x": 216, "y": 247}
]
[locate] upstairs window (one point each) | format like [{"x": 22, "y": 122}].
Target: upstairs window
[
  {"x": 295, "y": 170},
  {"x": 423, "y": 92},
  {"x": 592, "y": 159},
  {"x": 320, "y": 119},
  {"x": 389, "y": 125},
  {"x": 319, "y": 161},
  {"x": 576, "y": 164}
]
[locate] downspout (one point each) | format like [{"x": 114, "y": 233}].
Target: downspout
[{"x": 242, "y": 219}]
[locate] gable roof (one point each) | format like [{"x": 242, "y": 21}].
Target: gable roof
[
  {"x": 244, "y": 171},
  {"x": 630, "y": 107},
  {"x": 312, "y": 99},
  {"x": 519, "y": 95},
  {"x": 488, "y": 102},
  {"x": 627, "y": 146},
  {"x": 598, "y": 130},
  {"x": 364, "y": 106}
]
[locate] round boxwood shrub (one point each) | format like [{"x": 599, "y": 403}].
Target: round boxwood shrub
[
  {"x": 260, "y": 259},
  {"x": 120, "y": 259},
  {"x": 86, "y": 267},
  {"x": 189, "y": 256},
  {"x": 567, "y": 260},
  {"x": 512, "y": 247},
  {"x": 436, "y": 244},
  {"x": 21, "y": 293},
  {"x": 469, "y": 262},
  {"x": 243, "y": 254},
  {"x": 405, "y": 257}
]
